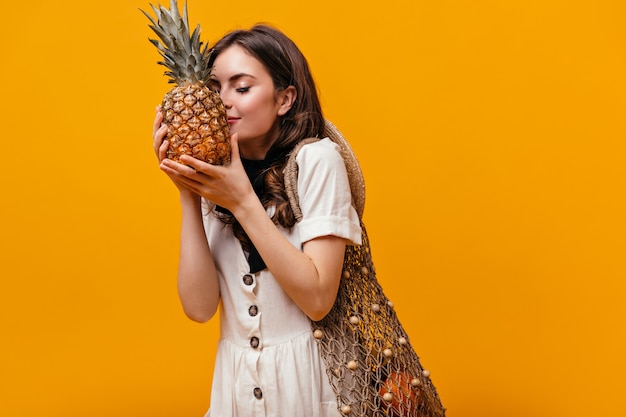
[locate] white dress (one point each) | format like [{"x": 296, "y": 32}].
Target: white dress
[{"x": 268, "y": 363}]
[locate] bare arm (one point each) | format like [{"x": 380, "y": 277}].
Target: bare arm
[
  {"x": 198, "y": 286},
  {"x": 310, "y": 278}
]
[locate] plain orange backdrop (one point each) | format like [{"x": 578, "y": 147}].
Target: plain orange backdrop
[{"x": 491, "y": 135}]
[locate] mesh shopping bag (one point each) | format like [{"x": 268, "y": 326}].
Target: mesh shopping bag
[{"x": 370, "y": 362}]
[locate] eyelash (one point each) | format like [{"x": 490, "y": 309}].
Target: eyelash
[{"x": 240, "y": 90}]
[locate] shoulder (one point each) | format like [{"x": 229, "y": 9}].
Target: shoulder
[{"x": 323, "y": 152}]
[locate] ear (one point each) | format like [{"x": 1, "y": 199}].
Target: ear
[{"x": 286, "y": 98}]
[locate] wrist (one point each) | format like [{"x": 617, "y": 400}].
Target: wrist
[
  {"x": 188, "y": 197},
  {"x": 247, "y": 207}
]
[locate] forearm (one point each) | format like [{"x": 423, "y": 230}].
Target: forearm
[
  {"x": 310, "y": 278},
  {"x": 198, "y": 286}
]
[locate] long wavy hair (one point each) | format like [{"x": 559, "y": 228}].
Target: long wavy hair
[{"x": 288, "y": 67}]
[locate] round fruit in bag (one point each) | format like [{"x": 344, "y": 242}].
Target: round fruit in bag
[{"x": 400, "y": 394}]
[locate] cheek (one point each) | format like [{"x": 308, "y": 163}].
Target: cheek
[{"x": 261, "y": 109}]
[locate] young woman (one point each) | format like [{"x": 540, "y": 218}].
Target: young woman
[{"x": 240, "y": 242}]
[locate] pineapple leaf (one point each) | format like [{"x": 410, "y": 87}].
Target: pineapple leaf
[
  {"x": 154, "y": 22},
  {"x": 195, "y": 36},
  {"x": 165, "y": 40},
  {"x": 184, "y": 55},
  {"x": 185, "y": 15},
  {"x": 182, "y": 30},
  {"x": 157, "y": 11},
  {"x": 174, "y": 10}
]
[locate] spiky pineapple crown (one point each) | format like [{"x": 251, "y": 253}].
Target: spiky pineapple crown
[{"x": 184, "y": 56}]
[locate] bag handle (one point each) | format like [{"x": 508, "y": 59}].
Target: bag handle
[{"x": 355, "y": 175}]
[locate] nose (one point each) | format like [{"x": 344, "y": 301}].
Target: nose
[{"x": 225, "y": 100}]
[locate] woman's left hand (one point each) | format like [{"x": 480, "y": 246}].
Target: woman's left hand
[{"x": 226, "y": 186}]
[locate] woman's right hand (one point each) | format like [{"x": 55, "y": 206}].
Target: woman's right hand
[
  {"x": 198, "y": 286},
  {"x": 160, "y": 145},
  {"x": 159, "y": 130}
]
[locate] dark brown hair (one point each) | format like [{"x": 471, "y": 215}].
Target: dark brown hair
[{"x": 288, "y": 67}]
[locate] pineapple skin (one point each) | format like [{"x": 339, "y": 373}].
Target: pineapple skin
[
  {"x": 195, "y": 116},
  {"x": 197, "y": 124}
]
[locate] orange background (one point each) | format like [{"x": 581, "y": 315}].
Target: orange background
[{"x": 491, "y": 135}]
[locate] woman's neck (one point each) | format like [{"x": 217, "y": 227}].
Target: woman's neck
[{"x": 257, "y": 148}]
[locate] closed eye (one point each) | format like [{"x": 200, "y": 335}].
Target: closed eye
[{"x": 242, "y": 90}]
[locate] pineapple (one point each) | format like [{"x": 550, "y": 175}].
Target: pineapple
[{"x": 195, "y": 115}]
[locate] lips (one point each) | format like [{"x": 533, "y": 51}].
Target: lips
[{"x": 232, "y": 120}]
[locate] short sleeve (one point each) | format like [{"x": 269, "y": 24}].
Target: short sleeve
[{"x": 324, "y": 194}]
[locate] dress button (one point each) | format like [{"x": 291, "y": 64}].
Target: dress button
[
  {"x": 253, "y": 311},
  {"x": 258, "y": 394},
  {"x": 248, "y": 279},
  {"x": 254, "y": 342}
]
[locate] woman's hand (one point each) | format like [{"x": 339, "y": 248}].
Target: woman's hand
[
  {"x": 160, "y": 145},
  {"x": 198, "y": 286},
  {"x": 159, "y": 130},
  {"x": 226, "y": 186}
]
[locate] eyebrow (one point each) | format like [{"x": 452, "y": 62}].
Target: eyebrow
[
  {"x": 235, "y": 77},
  {"x": 232, "y": 78}
]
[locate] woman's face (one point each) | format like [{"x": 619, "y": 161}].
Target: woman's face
[{"x": 252, "y": 103}]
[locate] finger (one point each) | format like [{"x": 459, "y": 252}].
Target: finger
[
  {"x": 181, "y": 170},
  {"x": 159, "y": 138},
  {"x": 162, "y": 151},
  {"x": 197, "y": 165},
  {"x": 235, "y": 159},
  {"x": 234, "y": 147},
  {"x": 181, "y": 180}
]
